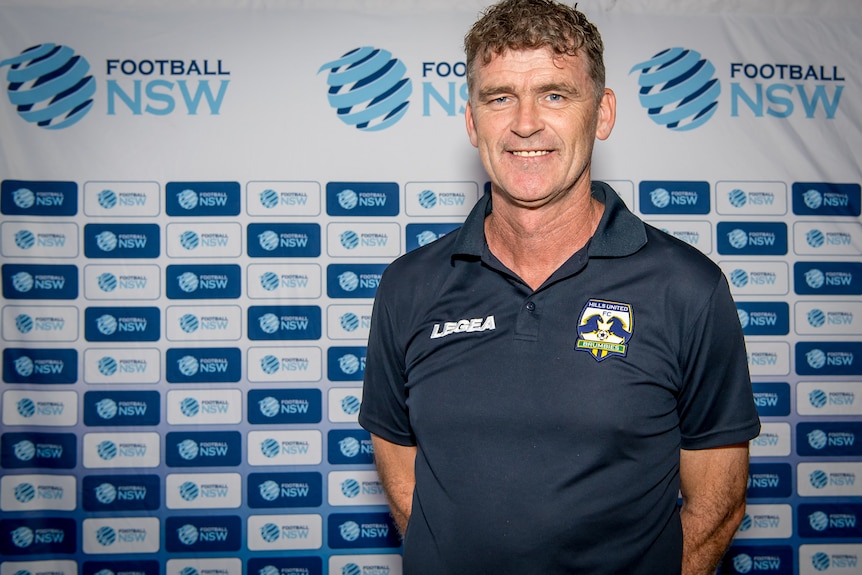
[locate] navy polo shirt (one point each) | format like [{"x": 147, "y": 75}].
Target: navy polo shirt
[{"x": 549, "y": 422}]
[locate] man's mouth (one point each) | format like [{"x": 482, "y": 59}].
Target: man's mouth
[{"x": 530, "y": 153}]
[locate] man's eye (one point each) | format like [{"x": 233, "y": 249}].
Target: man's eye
[
  {"x": 501, "y": 100},
  {"x": 555, "y": 97}
]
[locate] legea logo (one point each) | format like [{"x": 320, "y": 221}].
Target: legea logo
[
  {"x": 678, "y": 89},
  {"x": 50, "y": 86},
  {"x": 368, "y": 88}
]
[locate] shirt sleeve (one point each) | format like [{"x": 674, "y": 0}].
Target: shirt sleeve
[
  {"x": 384, "y": 398},
  {"x": 716, "y": 405}
]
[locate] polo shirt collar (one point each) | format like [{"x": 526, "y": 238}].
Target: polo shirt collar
[{"x": 619, "y": 233}]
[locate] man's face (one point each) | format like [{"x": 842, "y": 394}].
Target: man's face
[{"x": 534, "y": 118}]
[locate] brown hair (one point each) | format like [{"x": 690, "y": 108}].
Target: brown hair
[{"x": 531, "y": 24}]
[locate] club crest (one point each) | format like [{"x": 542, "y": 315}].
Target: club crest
[{"x": 604, "y": 328}]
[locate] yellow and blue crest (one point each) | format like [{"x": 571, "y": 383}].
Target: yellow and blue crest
[{"x": 605, "y": 328}]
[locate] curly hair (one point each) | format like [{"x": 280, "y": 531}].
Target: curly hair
[{"x": 531, "y": 24}]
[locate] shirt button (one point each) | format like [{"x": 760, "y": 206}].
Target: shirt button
[{"x": 530, "y": 306}]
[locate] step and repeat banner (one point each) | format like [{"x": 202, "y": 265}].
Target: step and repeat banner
[{"x": 198, "y": 202}]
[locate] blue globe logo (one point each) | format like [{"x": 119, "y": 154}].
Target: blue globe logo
[
  {"x": 25, "y": 492},
  {"x": 106, "y": 241},
  {"x": 107, "y": 365},
  {"x": 106, "y": 535},
  {"x": 105, "y": 571},
  {"x": 50, "y": 86},
  {"x": 268, "y": 240},
  {"x": 815, "y": 238},
  {"x": 269, "y": 281},
  {"x": 348, "y": 363},
  {"x": 347, "y": 199},
  {"x": 746, "y": 523},
  {"x": 24, "y": 450},
  {"x": 737, "y": 238},
  {"x": 269, "y": 364},
  {"x": 189, "y": 323},
  {"x": 268, "y": 570},
  {"x": 106, "y": 324},
  {"x": 187, "y": 534},
  {"x": 660, "y": 198},
  {"x": 269, "y": 490},
  {"x": 22, "y": 282},
  {"x": 737, "y": 198},
  {"x": 269, "y": 198},
  {"x": 818, "y": 521},
  {"x": 26, "y": 407},
  {"x": 187, "y": 199},
  {"x": 269, "y": 532},
  {"x": 106, "y": 408},
  {"x": 349, "y": 447},
  {"x": 348, "y": 281},
  {"x": 818, "y": 398},
  {"x": 107, "y": 199},
  {"x": 107, "y": 282},
  {"x": 23, "y": 198},
  {"x": 188, "y": 282},
  {"x": 818, "y": 478},
  {"x": 189, "y": 491},
  {"x": 351, "y": 569},
  {"x": 815, "y": 278},
  {"x": 820, "y": 561},
  {"x": 188, "y": 365},
  {"x": 349, "y": 530},
  {"x": 268, "y": 323},
  {"x": 350, "y": 488},
  {"x": 268, "y": 406},
  {"x": 678, "y": 89},
  {"x": 107, "y": 450},
  {"x": 743, "y": 317},
  {"x": 816, "y": 358},
  {"x": 349, "y": 322},
  {"x": 743, "y": 563},
  {"x": 368, "y": 88},
  {"x": 817, "y": 439},
  {"x": 427, "y": 199},
  {"x": 269, "y": 447},
  {"x": 188, "y": 571},
  {"x": 350, "y": 405},
  {"x": 349, "y": 240},
  {"x": 190, "y": 406},
  {"x": 24, "y": 323},
  {"x": 425, "y": 237},
  {"x": 189, "y": 240},
  {"x": 739, "y": 278},
  {"x": 24, "y": 366},
  {"x": 22, "y": 537},
  {"x": 25, "y": 239},
  {"x": 812, "y": 199},
  {"x": 188, "y": 449},
  {"x": 105, "y": 493},
  {"x": 816, "y": 318}
]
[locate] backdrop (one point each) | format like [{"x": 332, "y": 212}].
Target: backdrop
[{"x": 198, "y": 200}]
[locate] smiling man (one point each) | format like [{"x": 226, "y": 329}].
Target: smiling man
[{"x": 542, "y": 384}]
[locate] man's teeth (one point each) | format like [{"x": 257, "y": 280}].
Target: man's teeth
[{"x": 531, "y": 153}]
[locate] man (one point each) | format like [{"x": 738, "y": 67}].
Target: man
[{"x": 543, "y": 383}]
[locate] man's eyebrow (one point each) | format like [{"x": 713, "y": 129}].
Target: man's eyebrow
[{"x": 550, "y": 87}]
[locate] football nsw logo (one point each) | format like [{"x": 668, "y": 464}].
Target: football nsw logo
[
  {"x": 678, "y": 88},
  {"x": 50, "y": 86},
  {"x": 605, "y": 328},
  {"x": 368, "y": 88}
]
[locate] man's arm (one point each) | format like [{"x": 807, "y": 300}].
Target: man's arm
[
  {"x": 395, "y": 468},
  {"x": 713, "y": 484}
]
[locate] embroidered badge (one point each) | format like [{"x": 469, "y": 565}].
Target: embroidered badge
[{"x": 605, "y": 328}]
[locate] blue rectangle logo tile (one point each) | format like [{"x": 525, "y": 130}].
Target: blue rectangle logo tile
[
  {"x": 828, "y": 358},
  {"x": 203, "y": 365},
  {"x": 284, "y": 406},
  {"x": 291, "y": 565},
  {"x": 203, "y": 281},
  {"x": 284, "y": 322},
  {"x": 752, "y": 238},
  {"x": 349, "y": 446},
  {"x": 758, "y": 559},
  {"x": 121, "y": 408},
  {"x": 122, "y": 324},
  {"x": 38, "y": 198},
  {"x": 283, "y": 240},
  {"x": 826, "y": 199},
  {"x": 40, "y": 366},
  {"x": 770, "y": 480},
  {"x": 36, "y": 536},
  {"x": 829, "y": 439},
  {"x": 362, "y": 531},
  {"x": 772, "y": 399},
  {"x": 674, "y": 197},
  {"x": 360, "y": 199},
  {"x": 203, "y": 533},
  {"x": 827, "y": 278},
  {"x": 353, "y": 280},
  {"x": 203, "y": 448},
  {"x": 121, "y": 492},
  {"x": 122, "y": 241},
  {"x": 277, "y": 490},
  {"x": 41, "y": 282},
  {"x": 346, "y": 363},
  {"x": 764, "y": 318},
  {"x": 38, "y": 450},
  {"x": 829, "y": 520},
  {"x": 202, "y": 199},
  {"x": 136, "y": 567},
  {"x": 418, "y": 235}
]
